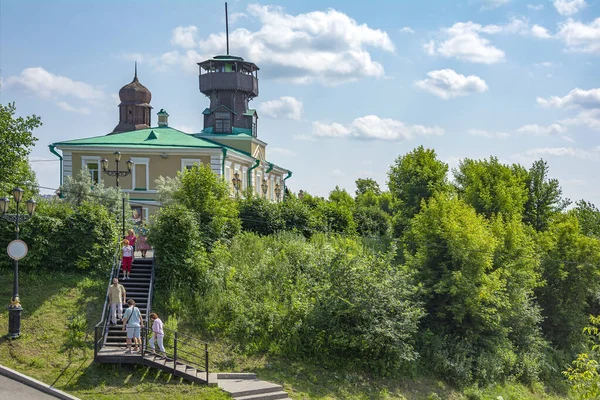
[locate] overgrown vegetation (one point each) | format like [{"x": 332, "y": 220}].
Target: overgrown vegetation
[{"x": 481, "y": 281}]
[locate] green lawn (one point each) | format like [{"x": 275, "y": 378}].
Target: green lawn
[{"x": 51, "y": 300}]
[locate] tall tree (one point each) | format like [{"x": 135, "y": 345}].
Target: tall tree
[
  {"x": 16, "y": 141},
  {"x": 208, "y": 197},
  {"x": 588, "y": 216},
  {"x": 414, "y": 177},
  {"x": 544, "y": 197},
  {"x": 364, "y": 185},
  {"x": 491, "y": 187}
]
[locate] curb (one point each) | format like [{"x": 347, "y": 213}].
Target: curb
[{"x": 41, "y": 386}]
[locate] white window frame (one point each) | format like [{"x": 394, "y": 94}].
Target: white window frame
[
  {"x": 188, "y": 162},
  {"x": 143, "y": 161},
  {"x": 85, "y": 160}
]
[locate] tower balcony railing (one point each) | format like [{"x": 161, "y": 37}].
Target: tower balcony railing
[{"x": 228, "y": 81}]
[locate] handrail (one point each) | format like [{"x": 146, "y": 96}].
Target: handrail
[
  {"x": 114, "y": 268},
  {"x": 150, "y": 292},
  {"x": 105, "y": 310}
]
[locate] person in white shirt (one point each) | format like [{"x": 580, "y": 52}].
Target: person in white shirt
[
  {"x": 158, "y": 333},
  {"x": 127, "y": 259}
]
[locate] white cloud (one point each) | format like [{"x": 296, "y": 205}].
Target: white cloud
[
  {"x": 575, "y": 98},
  {"x": 324, "y": 46},
  {"x": 281, "y": 151},
  {"x": 540, "y": 32},
  {"x": 46, "y": 84},
  {"x": 447, "y": 83},
  {"x": 406, "y": 29},
  {"x": 372, "y": 127},
  {"x": 67, "y": 107},
  {"x": 562, "y": 152},
  {"x": 546, "y": 64},
  {"x": 589, "y": 118},
  {"x": 337, "y": 172},
  {"x": 580, "y": 37},
  {"x": 569, "y": 7},
  {"x": 491, "y": 4},
  {"x": 487, "y": 134},
  {"x": 185, "y": 36},
  {"x": 535, "y": 7},
  {"x": 540, "y": 130},
  {"x": 463, "y": 41},
  {"x": 286, "y": 107},
  {"x": 307, "y": 138},
  {"x": 235, "y": 17}
]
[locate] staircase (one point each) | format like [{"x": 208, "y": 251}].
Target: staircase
[
  {"x": 138, "y": 289},
  {"x": 187, "y": 358}
]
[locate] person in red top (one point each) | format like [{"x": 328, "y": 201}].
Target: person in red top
[{"x": 131, "y": 238}]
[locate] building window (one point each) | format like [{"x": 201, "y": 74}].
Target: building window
[
  {"x": 93, "y": 165},
  {"x": 254, "y": 125},
  {"x": 223, "y": 122},
  {"x": 140, "y": 176},
  {"x": 188, "y": 163}
]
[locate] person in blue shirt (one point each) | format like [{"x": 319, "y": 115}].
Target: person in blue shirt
[{"x": 133, "y": 322}]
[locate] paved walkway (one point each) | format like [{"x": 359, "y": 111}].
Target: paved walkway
[{"x": 10, "y": 389}]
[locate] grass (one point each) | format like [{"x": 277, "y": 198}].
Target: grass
[{"x": 47, "y": 352}]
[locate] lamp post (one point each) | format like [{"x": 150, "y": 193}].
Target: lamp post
[
  {"x": 264, "y": 186},
  {"x": 116, "y": 173},
  {"x": 278, "y": 191},
  {"x": 237, "y": 182},
  {"x": 15, "y": 309}
]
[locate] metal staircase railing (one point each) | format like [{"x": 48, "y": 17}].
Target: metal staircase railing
[{"x": 101, "y": 328}]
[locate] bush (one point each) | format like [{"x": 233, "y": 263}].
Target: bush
[{"x": 260, "y": 216}]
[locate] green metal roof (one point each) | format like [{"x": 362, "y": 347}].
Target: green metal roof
[
  {"x": 163, "y": 137},
  {"x": 250, "y": 111}
]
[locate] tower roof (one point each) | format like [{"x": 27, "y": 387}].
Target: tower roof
[
  {"x": 135, "y": 92},
  {"x": 218, "y": 60}
]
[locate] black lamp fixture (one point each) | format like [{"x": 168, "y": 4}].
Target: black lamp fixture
[
  {"x": 116, "y": 173},
  {"x": 264, "y": 186},
  {"x": 278, "y": 191},
  {"x": 15, "y": 309},
  {"x": 237, "y": 182}
]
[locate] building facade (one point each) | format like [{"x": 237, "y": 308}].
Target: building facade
[{"x": 228, "y": 142}]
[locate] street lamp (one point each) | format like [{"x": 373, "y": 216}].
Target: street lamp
[
  {"x": 264, "y": 186},
  {"x": 116, "y": 173},
  {"x": 278, "y": 191},
  {"x": 237, "y": 182},
  {"x": 15, "y": 309}
]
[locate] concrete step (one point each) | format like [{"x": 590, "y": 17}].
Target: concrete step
[
  {"x": 264, "y": 396},
  {"x": 249, "y": 387}
]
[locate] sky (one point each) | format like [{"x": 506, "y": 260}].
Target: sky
[{"x": 345, "y": 87}]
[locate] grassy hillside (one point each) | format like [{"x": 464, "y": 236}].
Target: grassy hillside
[{"x": 51, "y": 301}]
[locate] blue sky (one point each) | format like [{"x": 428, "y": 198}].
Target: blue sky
[{"x": 345, "y": 87}]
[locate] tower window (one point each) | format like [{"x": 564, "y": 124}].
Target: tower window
[{"x": 223, "y": 122}]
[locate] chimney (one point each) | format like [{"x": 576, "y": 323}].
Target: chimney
[{"x": 163, "y": 118}]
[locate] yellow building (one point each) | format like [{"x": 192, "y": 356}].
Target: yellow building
[{"x": 228, "y": 142}]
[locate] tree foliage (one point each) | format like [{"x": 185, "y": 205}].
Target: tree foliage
[
  {"x": 16, "y": 141},
  {"x": 544, "y": 199},
  {"x": 491, "y": 187},
  {"x": 415, "y": 177}
]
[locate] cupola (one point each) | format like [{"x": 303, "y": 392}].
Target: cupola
[{"x": 135, "y": 108}]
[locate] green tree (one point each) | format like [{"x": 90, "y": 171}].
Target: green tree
[
  {"x": 588, "y": 216},
  {"x": 491, "y": 187},
  {"x": 570, "y": 271},
  {"x": 297, "y": 216},
  {"x": 342, "y": 197},
  {"x": 364, "y": 185},
  {"x": 208, "y": 197},
  {"x": 414, "y": 177},
  {"x": 81, "y": 188},
  {"x": 261, "y": 216},
  {"x": 371, "y": 221},
  {"x": 16, "y": 141},
  {"x": 544, "y": 197},
  {"x": 584, "y": 374}
]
